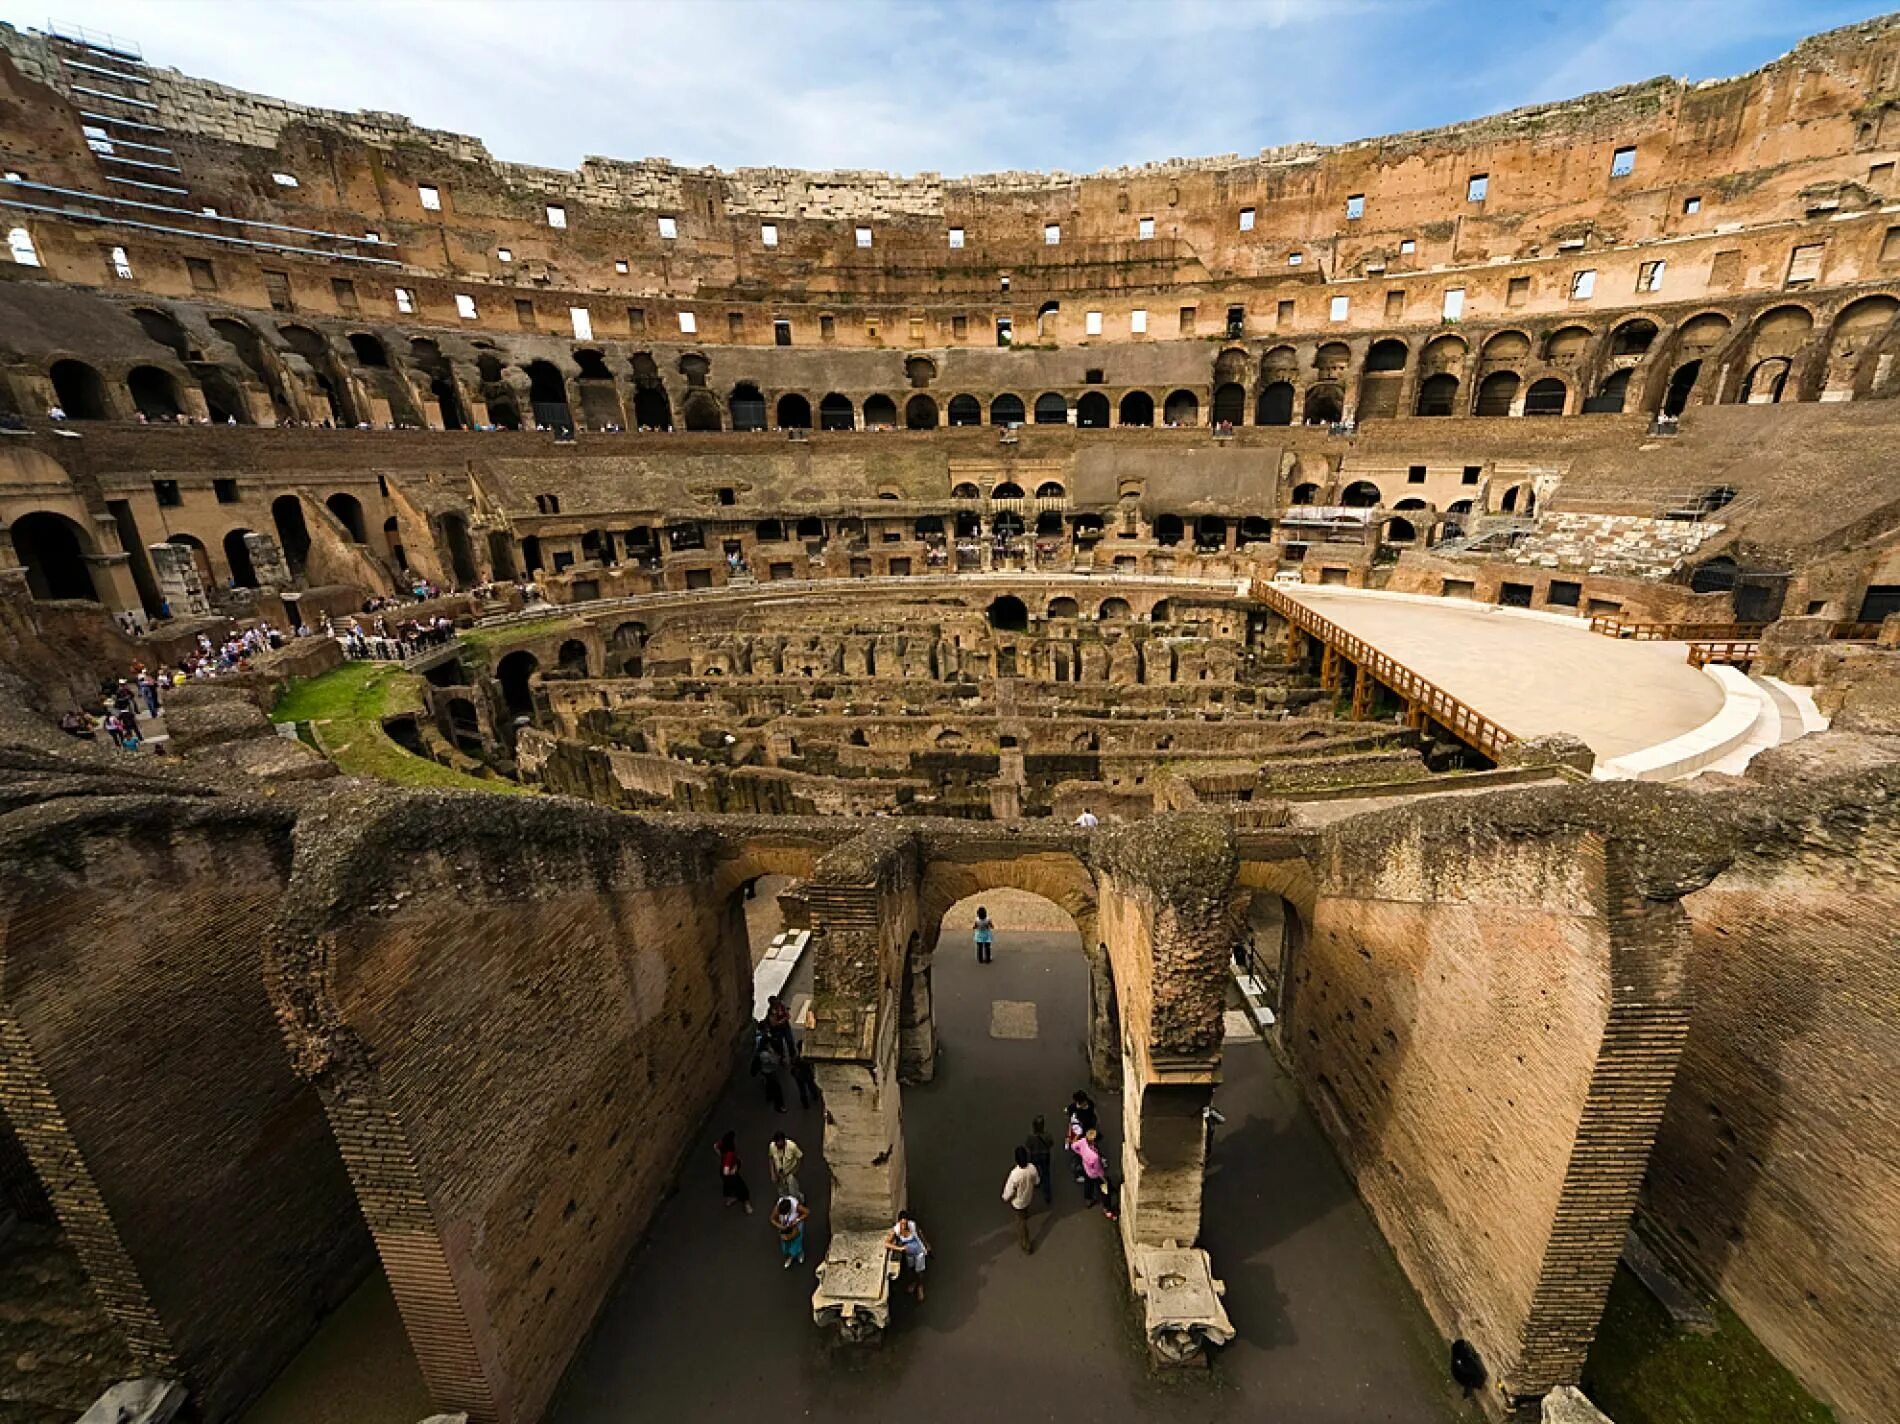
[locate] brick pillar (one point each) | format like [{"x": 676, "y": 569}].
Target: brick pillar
[
  {"x": 179, "y": 583},
  {"x": 267, "y": 561}
]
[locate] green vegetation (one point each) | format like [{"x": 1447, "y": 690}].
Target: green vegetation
[
  {"x": 346, "y": 707},
  {"x": 1643, "y": 1371},
  {"x": 484, "y": 639}
]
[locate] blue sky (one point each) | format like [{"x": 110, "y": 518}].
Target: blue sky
[{"x": 950, "y": 86}]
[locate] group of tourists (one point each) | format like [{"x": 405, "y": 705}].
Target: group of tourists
[
  {"x": 379, "y": 640},
  {"x": 774, "y": 1049}
]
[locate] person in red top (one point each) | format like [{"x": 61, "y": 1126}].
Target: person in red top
[{"x": 731, "y": 1179}]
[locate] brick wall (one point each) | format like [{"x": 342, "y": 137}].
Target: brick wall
[
  {"x": 215, "y": 1220},
  {"x": 518, "y": 1015},
  {"x": 1775, "y": 1173}
]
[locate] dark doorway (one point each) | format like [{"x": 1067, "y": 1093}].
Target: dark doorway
[
  {"x": 794, "y": 413},
  {"x": 966, "y": 410},
  {"x": 1138, "y": 408},
  {"x": 1681, "y": 386},
  {"x": 1091, "y": 411},
  {"x": 79, "y": 391},
  {"x": 1007, "y": 410},
  {"x": 154, "y": 393},
  {"x": 1051, "y": 409},
  {"x": 748, "y": 407},
  {"x": 835, "y": 412},
  {"x": 513, "y": 673},
  {"x": 53, "y": 549},
  {"x": 1275, "y": 406},
  {"x": 461, "y": 556},
  {"x": 880, "y": 412},
  {"x": 293, "y": 533},
  {"x": 237, "y": 557},
  {"x": 920, "y": 413},
  {"x": 1008, "y": 614},
  {"x": 349, "y": 510},
  {"x": 1230, "y": 404}
]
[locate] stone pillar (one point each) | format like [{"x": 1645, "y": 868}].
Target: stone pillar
[
  {"x": 267, "y": 561},
  {"x": 175, "y": 567},
  {"x": 917, "y": 1062}
]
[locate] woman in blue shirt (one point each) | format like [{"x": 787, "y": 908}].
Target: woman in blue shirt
[{"x": 985, "y": 935}]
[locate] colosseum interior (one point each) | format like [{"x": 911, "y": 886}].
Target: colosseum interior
[{"x": 1420, "y": 617}]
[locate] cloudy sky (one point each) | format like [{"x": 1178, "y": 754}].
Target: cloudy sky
[{"x": 950, "y": 86}]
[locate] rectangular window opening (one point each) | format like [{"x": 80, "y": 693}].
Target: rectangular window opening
[
  {"x": 1691, "y": 206},
  {"x": 405, "y": 301},
  {"x": 1145, "y": 229},
  {"x": 1407, "y": 246},
  {"x": 465, "y": 306},
  {"x": 277, "y": 288},
  {"x": 1339, "y": 308},
  {"x": 1052, "y": 234},
  {"x": 864, "y": 237},
  {"x": 582, "y": 322},
  {"x": 1138, "y": 322},
  {"x": 1583, "y": 285},
  {"x": 1091, "y": 323},
  {"x": 669, "y": 228},
  {"x": 1246, "y": 219},
  {"x": 343, "y": 290},
  {"x": 828, "y": 327},
  {"x": 1477, "y": 187},
  {"x": 1454, "y": 307},
  {"x": 689, "y": 324},
  {"x": 431, "y": 198},
  {"x": 1649, "y": 277},
  {"x": 1622, "y": 162},
  {"x": 121, "y": 265},
  {"x": 1804, "y": 264},
  {"x": 768, "y": 234},
  {"x": 1187, "y": 321},
  {"x": 524, "y": 313},
  {"x": 1355, "y": 207},
  {"x": 781, "y": 333},
  {"x": 557, "y": 215},
  {"x": 956, "y": 237}
]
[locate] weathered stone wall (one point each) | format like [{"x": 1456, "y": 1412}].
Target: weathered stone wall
[
  {"x": 518, "y": 1013},
  {"x": 1487, "y": 1016},
  {"x": 1775, "y": 1172},
  {"x": 142, "y": 1067}
]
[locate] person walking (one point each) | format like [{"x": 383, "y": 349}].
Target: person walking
[
  {"x": 1088, "y": 820},
  {"x": 984, "y": 935},
  {"x": 765, "y": 1068},
  {"x": 805, "y": 1081},
  {"x": 1040, "y": 1149},
  {"x": 789, "y": 1218},
  {"x": 782, "y": 1159},
  {"x": 778, "y": 1028},
  {"x": 1019, "y": 1190},
  {"x": 1095, "y": 1171},
  {"x": 731, "y": 1178},
  {"x": 1081, "y": 1114},
  {"x": 908, "y": 1241}
]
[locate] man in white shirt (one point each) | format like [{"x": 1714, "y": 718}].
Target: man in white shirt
[
  {"x": 1088, "y": 820},
  {"x": 1019, "y": 1190}
]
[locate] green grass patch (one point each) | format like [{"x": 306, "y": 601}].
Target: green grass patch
[
  {"x": 346, "y": 706},
  {"x": 1643, "y": 1371},
  {"x": 486, "y": 639}
]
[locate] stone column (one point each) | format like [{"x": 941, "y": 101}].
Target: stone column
[
  {"x": 175, "y": 567},
  {"x": 267, "y": 561}
]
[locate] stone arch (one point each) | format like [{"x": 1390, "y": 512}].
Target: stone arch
[
  {"x": 1307, "y": 493},
  {"x": 1360, "y": 494},
  {"x": 1137, "y": 408},
  {"x": 54, "y": 548},
  {"x": 368, "y": 349},
  {"x": 1063, "y": 608},
  {"x": 1437, "y": 395},
  {"x": 1766, "y": 381},
  {"x": 1114, "y": 610},
  {"x": 1548, "y": 396},
  {"x": 1507, "y": 347},
  {"x": 1092, "y": 411},
  {"x": 836, "y": 412},
  {"x": 1682, "y": 383},
  {"x": 572, "y": 657},
  {"x": 1633, "y": 337},
  {"x": 1182, "y": 407},
  {"x": 794, "y": 412},
  {"x": 747, "y": 407},
  {"x": 1567, "y": 344},
  {"x": 920, "y": 371},
  {"x": 293, "y": 532},
  {"x": 349, "y": 512},
  {"x": 1052, "y": 408},
  {"x": 165, "y": 329},
  {"x": 1497, "y": 393},
  {"x": 79, "y": 390},
  {"x": 514, "y": 673},
  {"x": 1007, "y": 409},
  {"x": 154, "y": 393},
  {"x": 1007, "y": 614},
  {"x": 702, "y": 412},
  {"x": 920, "y": 413},
  {"x": 1386, "y": 356},
  {"x": 1854, "y": 344},
  {"x": 237, "y": 558},
  {"x": 1325, "y": 404},
  {"x": 461, "y": 553},
  {"x": 879, "y": 410},
  {"x": 966, "y": 410},
  {"x": 1230, "y": 404},
  {"x": 1444, "y": 353},
  {"x": 1275, "y": 405}
]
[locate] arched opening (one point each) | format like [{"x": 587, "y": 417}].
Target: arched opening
[
  {"x": 1181, "y": 408},
  {"x": 1632, "y": 338},
  {"x": 1006, "y": 410},
  {"x": 349, "y": 510},
  {"x": 811, "y": 527},
  {"x": 1324, "y": 405},
  {"x": 920, "y": 413},
  {"x": 592, "y": 364},
  {"x": 1138, "y": 408},
  {"x": 920, "y": 371},
  {"x": 323, "y": 366},
  {"x": 1304, "y": 494},
  {"x": 1566, "y": 345},
  {"x": 1497, "y": 393},
  {"x": 880, "y": 413},
  {"x": 448, "y": 401},
  {"x": 1091, "y": 411},
  {"x": 966, "y": 410},
  {"x": 503, "y": 413},
  {"x": 249, "y": 346},
  {"x": 1437, "y": 394},
  {"x": 1520, "y": 500},
  {"x": 1385, "y": 357},
  {"x": 835, "y": 412},
  {"x": 514, "y": 673},
  {"x": 1169, "y": 530},
  {"x": 547, "y": 397},
  {"x": 1610, "y": 395},
  {"x": 154, "y": 393},
  {"x": 651, "y": 409},
  {"x": 1275, "y": 406},
  {"x": 1230, "y": 404},
  {"x": 1766, "y": 382},
  {"x": 293, "y": 533},
  {"x": 1051, "y": 489},
  {"x": 794, "y": 412},
  {"x": 53, "y": 549},
  {"x": 1063, "y": 608},
  {"x": 1360, "y": 494},
  {"x": 1381, "y": 379},
  {"x": 201, "y": 559},
  {"x": 392, "y": 536},
  {"x": 572, "y": 657},
  {"x": 1008, "y": 489},
  {"x": 1681, "y": 386},
  {"x": 1114, "y": 610},
  {"x": 1008, "y": 614},
  {"x": 224, "y": 398},
  {"x": 747, "y": 406},
  {"x": 702, "y": 412},
  {"x": 369, "y": 350},
  {"x": 1546, "y": 397},
  {"x": 1255, "y": 530},
  {"x": 1160, "y": 613},
  {"x": 501, "y": 554},
  {"x": 79, "y": 390},
  {"x": 163, "y": 328},
  {"x": 963, "y": 489},
  {"x": 1210, "y": 534},
  {"x": 1052, "y": 409},
  {"x": 461, "y": 554},
  {"x": 1400, "y": 531}
]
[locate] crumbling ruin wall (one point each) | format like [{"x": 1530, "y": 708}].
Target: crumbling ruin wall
[
  {"x": 517, "y": 1012},
  {"x": 143, "y": 1069},
  {"x": 1777, "y": 1170},
  {"x": 1487, "y": 1017}
]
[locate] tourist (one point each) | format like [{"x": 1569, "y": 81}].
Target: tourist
[
  {"x": 1088, "y": 820},
  {"x": 1040, "y": 1149},
  {"x": 778, "y": 1027},
  {"x": 731, "y": 1179},
  {"x": 789, "y": 1217},
  {"x": 984, "y": 935},
  {"x": 1081, "y": 1122},
  {"x": 765, "y": 1068},
  {"x": 782, "y": 1159},
  {"x": 1088, "y": 1152},
  {"x": 805, "y": 1081},
  {"x": 908, "y": 1241},
  {"x": 1019, "y": 1190}
]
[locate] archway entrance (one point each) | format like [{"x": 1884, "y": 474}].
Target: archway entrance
[{"x": 53, "y": 548}]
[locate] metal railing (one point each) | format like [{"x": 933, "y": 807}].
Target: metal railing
[{"x": 1459, "y": 718}]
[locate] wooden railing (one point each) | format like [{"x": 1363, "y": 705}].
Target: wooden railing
[
  {"x": 1611, "y": 626},
  {"x": 1463, "y": 721},
  {"x": 1738, "y": 652},
  {"x": 1855, "y": 632}
]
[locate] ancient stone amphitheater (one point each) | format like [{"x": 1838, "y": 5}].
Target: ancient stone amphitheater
[{"x": 1421, "y": 612}]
